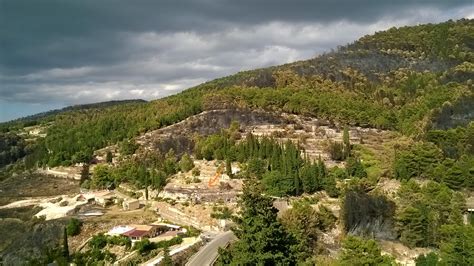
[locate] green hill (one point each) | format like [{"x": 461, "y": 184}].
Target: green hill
[
  {"x": 408, "y": 79},
  {"x": 414, "y": 81}
]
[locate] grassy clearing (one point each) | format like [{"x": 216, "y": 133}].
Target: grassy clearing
[
  {"x": 373, "y": 164},
  {"x": 378, "y": 155}
]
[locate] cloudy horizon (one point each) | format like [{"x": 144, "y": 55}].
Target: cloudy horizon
[{"x": 59, "y": 53}]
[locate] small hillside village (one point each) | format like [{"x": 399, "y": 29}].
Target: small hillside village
[
  {"x": 192, "y": 209},
  {"x": 182, "y": 210}
]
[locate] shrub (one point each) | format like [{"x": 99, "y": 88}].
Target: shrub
[
  {"x": 119, "y": 241},
  {"x": 98, "y": 241},
  {"x": 355, "y": 168},
  {"x": 196, "y": 171},
  {"x": 430, "y": 259},
  {"x": 144, "y": 246},
  {"x": 221, "y": 213},
  {"x": 186, "y": 163},
  {"x": 358, "y": 251},
  {"x": 168, "y": 243},
  {"x": 336, "y": 151},
  {"x": 73, "y": 227}
]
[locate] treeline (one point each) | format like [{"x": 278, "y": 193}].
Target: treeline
[
  {"x": 342, "y": 106},
  {"x": 447, "y": 40},
  {"x": 447, "y": 156},
  {"x": 407, "y": 100},
  {"x": 44, "y": 117},
  {"x": 146, "y": 170},
  {"x": 74, "y": 136},
  {"x": 425, "y": 212},
  {"x": 282, "y": 167}
]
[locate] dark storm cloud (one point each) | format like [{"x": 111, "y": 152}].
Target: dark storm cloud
[{"x": 69, "y": 51}]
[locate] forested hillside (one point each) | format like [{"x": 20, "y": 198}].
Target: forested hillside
[
  {"x": 409, "y": 79},
  {"x": 415, "y": 82}
]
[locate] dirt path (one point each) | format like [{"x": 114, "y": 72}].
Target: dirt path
[{"x": 29, "y": 202}]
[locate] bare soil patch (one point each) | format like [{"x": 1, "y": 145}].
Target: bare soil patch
[{"x": 32, "y": 185}]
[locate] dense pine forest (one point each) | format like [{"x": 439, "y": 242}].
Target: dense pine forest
[{"x": 416, "y": 81}]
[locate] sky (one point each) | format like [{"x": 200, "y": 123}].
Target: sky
[{"x": 56, "y": 53}]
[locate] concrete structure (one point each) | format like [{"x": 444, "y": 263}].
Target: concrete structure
[
  {"x": 199, "y": 195},
  {"x": 177, "y": 216},
  {"x": 470, "y": 204},
  {"x": 63, "y": 172},
  {"x": 137, "y": 235},
  {"x": 103, "y": 198},
  {"x": 119, "y": 230},
  {"x": 469, "y": 214},
  {"x": 129, "y": 205},
  {"x": 155, "y": 231}
]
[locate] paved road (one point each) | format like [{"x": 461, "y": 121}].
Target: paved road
[
  {"x": 209, "y": 252},
  {"x": 156, "y": 260}
]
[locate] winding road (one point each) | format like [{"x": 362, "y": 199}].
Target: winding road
[{"x": 209, "y": 252}]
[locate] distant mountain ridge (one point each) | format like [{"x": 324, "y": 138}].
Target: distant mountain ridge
[{"x": 77, "y": 107}]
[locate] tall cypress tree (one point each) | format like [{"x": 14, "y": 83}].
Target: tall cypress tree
[
  {"x": 109, "y": 157},
  {"x": 84, "y": 173},
  {"x": 346, "y": 143},
  {"x": 322, "y": 171},
  {"x": 65, "y": 245},
  {"x": 297, "y": 183},
  {"x": 228, "y": 167}
]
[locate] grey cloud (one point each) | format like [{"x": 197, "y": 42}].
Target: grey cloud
[
  {"x": 50, "y": 33},
  {"x": 86, "y": 51}
]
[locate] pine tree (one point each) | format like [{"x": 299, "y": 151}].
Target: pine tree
[
  {"x": 297, "y": 183},
  {"x": 414, "y": 224},
  {"x": 355, "y": 168},
  {"x": 358, "y": 251},
  {"x": 309, "y": 178},
  {"x": 458, "y": 248},
  {"x": 336, "y": 150},
  {"x": 454, "y": 177},
  {"x": 262, "y": 238},
  {"x": 322, "y": 171}
]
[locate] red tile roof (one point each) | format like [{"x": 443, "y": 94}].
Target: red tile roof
[{"x": 136, "y": 233}]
